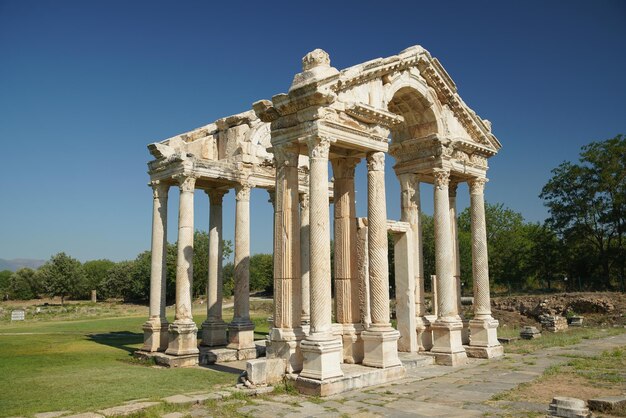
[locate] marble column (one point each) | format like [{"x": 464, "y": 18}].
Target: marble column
[
  {"x": 380, "y": 339},
  {"x": 214, "y": 328},
  {"x": 155, "y": 335},
  {"x": 447, "y": 344},
  {"x": 483, "y": 328},
  {"x": 304, "y": 261},
  {"x": 346, "y": 277},
  {"x": 183, "y": 331},
  {"x": 452, "y": 188},
  {"x": 322, "y": 351},
  {"x": 241, "y": 329},
  {"x": 287, "y": 330}
]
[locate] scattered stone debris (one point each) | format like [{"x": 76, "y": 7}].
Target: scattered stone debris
[
  {"x": 507, "y": 340},
  {"x": 575, "y": 321},
  {"x": 608, "y": 404},
  {"x": 563, "y": 406},
  {"x": 553, "y": 323},
  {"x": 529, "y": 333}
]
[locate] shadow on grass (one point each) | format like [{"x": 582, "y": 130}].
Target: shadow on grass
[{"x": 123, "y": 340}]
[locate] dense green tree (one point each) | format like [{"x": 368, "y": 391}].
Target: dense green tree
[
  {"x": 587, "y": 204},
  {"x": 23, "y": 284},
  {"x": 117, "y": 283},
  {"x": 261, "y": 272},
  {"x": 63, "y": 276},
  {"x": 4, "y": 284},
  {"x": 96, "y": 272}
]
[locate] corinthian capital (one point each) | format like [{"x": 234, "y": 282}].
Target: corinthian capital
[
  {"x": 477, "y": 185},
  {"x": 216, "y": 196},
  {"x": 186, "y": 183},
  {"x": 376, "y": 161},
  {"x": 159, "y": 189},
  {"x": 442, "y": 178},
  {"x": 344, "y": 167},
  {"x": 318, "y": 147},
  {"x": 242, "y": 191}
]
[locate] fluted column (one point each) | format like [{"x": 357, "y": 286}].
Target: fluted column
[
  {"x": 304, "y": 259},
  {"x": 447, "y": 328},
  {"x": 483, "y": 327},
  {"x": 241, "y": 329},
  {"x": 287, "y": 292},
  {"x": 214, "y": 328},
  {"x": 380, "y": 340},
  {"x": 321, "y": 350},
  {"x": 346, "y": 277},
  {"x": 155, "y": 329},
  {"x": 183, "y": 331}
]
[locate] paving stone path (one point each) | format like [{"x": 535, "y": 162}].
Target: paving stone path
[{"x": 430, "y": 391}]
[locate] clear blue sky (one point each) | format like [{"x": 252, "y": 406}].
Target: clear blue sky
[{"x": 86, "y": 85}]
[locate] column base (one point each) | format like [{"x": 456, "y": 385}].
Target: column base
[
  {"x": 484, "y": 332},
  {"x": 353, "y": 350},
  {"x": 447, "y": 344},
  {"x": 214, "y": 334},
  {"x": 284, "y": 343},
  {"x": 155, "y": 335},
  {"x": 241, "y": 336},
  {"x": 484, "y": 352},
  {"x": 380, "y": 346},
  {"x": 183, "y": 338},
  {"x": 322, "y": 358}
]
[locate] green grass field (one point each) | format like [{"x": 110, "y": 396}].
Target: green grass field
[{"x": 87, "y": 364}]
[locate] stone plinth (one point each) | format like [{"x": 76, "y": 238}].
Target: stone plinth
[
  {"x": 380, "y": 348},
  {"x": 166, "y": 360},
  {"x": 447, "y": 344},
  {"x": 483, "y": 339},
  {"x": 155, "y": 335},
  {"x": 183, "y": 339},
  {"x": 563, "y": 406},
  {"x": 352, "y": 343},
  {"x": 608, "y": 404},
  {"x": 529, "y": 333},
  {"x": 265, "y": 371},
  {"x": 553, "y": 323},
  {"x": 321, "y": 359}
]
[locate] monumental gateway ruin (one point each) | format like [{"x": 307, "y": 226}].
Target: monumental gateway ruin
[{"x": 405, "y": 105}]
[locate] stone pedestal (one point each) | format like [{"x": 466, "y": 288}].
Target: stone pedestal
[
  {"x": 183, "y": 339},
  {"x": 447, "y": 344},
  {"x": 482, "y": 335},
  {"x": 352, "y": 340},
  {"x": 155, "y": 335},
  {"x": 380, "y": 347},
  {"x": 285, "y": 344},
  {"x": 424, "y": 332},
  {"x": 322, "y": 359}
]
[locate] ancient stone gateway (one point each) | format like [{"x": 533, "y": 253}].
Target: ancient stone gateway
[{"x": 285, "y": 146}]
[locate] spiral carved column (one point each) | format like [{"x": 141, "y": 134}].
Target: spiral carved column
[
  {"x": 346, "y": 277},
  {"x": 483, "y": 336},
  {"x": 241, "y": 329},
  {"x": 304, "y": 259},
  {"x": 214, "y": 328},
  {"x": 183, "y": 331},
  {"x": 287, "y": 329},
  {"x": 457, "y": 258},
  {"x": 155, "y": 329},
  {"x": 321, "y": 350},
  {"x": 447, "y": 328},
  {"x": 380, "y": 340}
]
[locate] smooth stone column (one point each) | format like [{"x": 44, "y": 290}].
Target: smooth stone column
[
  {"x": 457, "y": 258},
  {"x": 380, "y": 339},
  {"x": 214, "y": 328},
  {"x": 346, "y": 277},
  {"x": 155, "y": 335},
  {"x": 447, "y": 344},
  {"x": 304, "y": 261},
  {"x": 483, "y": 328},
  {"x": 322, "y": 351},
  {"x": 287, "y": 332},
  {"x": 183, "y": 331},
  {"x": 241, "y": 329}
]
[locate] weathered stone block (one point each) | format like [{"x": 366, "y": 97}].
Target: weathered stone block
[
  {"x": 529, "y": 333},
  {"x": 608, "y": 404},
  {"x": 265, "y": 371},
  {"x": 563, "y": 406}
]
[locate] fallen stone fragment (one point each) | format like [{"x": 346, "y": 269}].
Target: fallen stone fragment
[
  {"x": 608, "y": 404},
  {"x": 128, "y": 409},
  {"x": 563, "y": 406}
]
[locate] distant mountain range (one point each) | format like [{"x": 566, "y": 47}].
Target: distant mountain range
[{"x": 18, "y": 263}]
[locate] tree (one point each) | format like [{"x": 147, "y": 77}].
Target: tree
[
  {"x": 96, "y": 272},
  {"x": 117, "y": 283},
  {"x": 63, "y": 276},
  {"x": 261, "y": 272},
  {"x": 4, "y": 284},
  {"x": 587, "y": 204},
  {"x": 23, "y": 284}
]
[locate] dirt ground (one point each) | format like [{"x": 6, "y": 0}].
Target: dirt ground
[{"x": 605, "y": 309}]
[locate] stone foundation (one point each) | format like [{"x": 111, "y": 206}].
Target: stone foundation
[
  {"x": 553, "y": 323},
  {"x": 167, "y": 360}
]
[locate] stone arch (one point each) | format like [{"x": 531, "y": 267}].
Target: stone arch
[
  {"x": 408, "y": 97},
  {"x": 260, "y": 138}
]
